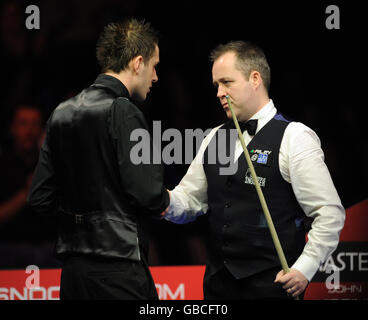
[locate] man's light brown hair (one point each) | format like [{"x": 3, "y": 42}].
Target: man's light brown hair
[{"x": 120, "y": 42}]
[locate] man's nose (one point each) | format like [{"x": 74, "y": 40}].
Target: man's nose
[
  {"x": 221, "y": 93},
  {"x": 155, "y": 78}
]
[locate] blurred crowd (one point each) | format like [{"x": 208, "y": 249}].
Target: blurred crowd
[{"x": 41, "y": 68}]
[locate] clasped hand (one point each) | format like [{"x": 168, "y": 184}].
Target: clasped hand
[{"x": 294, "y": 282}]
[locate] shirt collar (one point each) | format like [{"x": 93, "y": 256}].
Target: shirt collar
[
  {"x": 264, "y": 115},
  {"x": 265, "y": 111},
  {"x": 113, "y": 84}
]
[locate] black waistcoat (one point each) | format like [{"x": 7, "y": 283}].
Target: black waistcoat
[{"x": 239, "y": 235}]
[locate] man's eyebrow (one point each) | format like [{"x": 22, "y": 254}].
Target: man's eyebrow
[{"x": 220, "y": 80}]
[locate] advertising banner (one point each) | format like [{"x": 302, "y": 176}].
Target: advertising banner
[{"x": 343, "y": 276}]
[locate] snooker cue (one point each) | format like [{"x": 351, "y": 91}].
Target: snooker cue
[{"x": 267, "y": 214}]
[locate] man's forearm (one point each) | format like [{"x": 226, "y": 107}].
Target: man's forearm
[{"x": 178, "y": 213}]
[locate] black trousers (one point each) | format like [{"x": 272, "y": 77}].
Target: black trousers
[
  {"x": 223, "y": 285},
  {"x": 97, "y": 278}
]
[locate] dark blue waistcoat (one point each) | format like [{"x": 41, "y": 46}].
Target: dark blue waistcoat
[{"x": 239, "y": 235}]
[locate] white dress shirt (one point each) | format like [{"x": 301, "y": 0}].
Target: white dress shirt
[{"x": 301, "y": 162}]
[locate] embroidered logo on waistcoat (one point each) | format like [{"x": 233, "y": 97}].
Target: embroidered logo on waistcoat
[
  {"x": 249, "y": 179},
  {"x": 261, "y": 156}
]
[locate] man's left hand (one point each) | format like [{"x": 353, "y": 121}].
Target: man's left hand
[{"x": 294, "y": 282}]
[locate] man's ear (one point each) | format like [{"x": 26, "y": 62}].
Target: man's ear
[
  {"x": 255, "y": 79},
  {"x": 137, "y": 64}
]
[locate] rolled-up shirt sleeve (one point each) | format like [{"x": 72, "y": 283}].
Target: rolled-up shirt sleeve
[
  {"x": 143, "y": 182},
  {"x": 302, "y": 164}
]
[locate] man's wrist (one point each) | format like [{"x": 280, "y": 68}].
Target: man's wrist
[{"x": 307, "y": 266}]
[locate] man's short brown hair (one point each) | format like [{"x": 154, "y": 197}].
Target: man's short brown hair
[
  {"x": 249, "y": 58},
  {"x": 120, "y": 42}
]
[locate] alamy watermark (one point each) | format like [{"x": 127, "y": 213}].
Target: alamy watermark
[
  {"x": 333, "y": 19},
  {"x": 33, "y": 19},
  {"x": 33, "y": 280},
  {"x": 221, "y": 148},
  {"x": 332, "y": 281}
]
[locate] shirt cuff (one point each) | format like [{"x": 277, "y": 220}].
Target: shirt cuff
[
  {"x": 307, "y": 266},
  {"x": 178, "y": 214}
]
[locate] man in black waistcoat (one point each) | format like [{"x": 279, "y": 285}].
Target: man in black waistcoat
[
  {"x": 289, "y": 163},
  {"x": 86, "y": 178}
]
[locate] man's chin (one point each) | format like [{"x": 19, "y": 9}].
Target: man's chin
[
  {"x": 228, "y": 114},
  {"x": 139, "y": 98}
]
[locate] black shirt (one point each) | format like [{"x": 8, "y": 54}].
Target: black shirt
[
  {"x": 140, "y": 180},
  {"x": 85, "y": 170}
]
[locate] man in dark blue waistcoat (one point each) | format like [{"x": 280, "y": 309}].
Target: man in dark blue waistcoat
[{"x": 289, "y": 163}]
